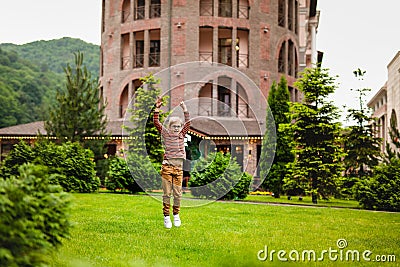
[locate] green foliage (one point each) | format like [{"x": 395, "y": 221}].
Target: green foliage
[
  {"x": 77, "y": 113},
  {"x": 34, "y": 217},
  {"x": 25, "y": 90},
  {"x": 362, "y": 148},
  {"x": 317, "y": 166},
  {"x": 146, "y": 138},
  {"x": 278, "y": 101},
  {"x": 73, "y": 164},
  {"x": 119, "y": 176},
  {"x": 382, "y": 190},
  {"x": 219, "y": 176}
]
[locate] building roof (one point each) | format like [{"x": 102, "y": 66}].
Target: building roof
[
  {"x": 204, "y": 126},
  {"x": 37, "y": 127},
  {"x": 226, "y": 127},
  {"x": 377, "y": 96}
]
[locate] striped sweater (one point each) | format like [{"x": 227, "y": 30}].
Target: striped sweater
[{"x": 174, "y": 145}]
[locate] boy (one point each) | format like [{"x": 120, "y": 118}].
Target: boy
[{"x": 172, "y": 165}]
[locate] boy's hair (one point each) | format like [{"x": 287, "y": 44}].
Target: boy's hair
[{"x": 174, "y": 120}]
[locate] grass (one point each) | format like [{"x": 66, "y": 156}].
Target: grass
[
  {"x": 342, "y": 203},
  {"x": 125, "y": 230}
]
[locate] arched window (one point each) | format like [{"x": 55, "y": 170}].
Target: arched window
[
  {"x": 123, "y": 101},
  {"x": 282, "y": 59},
  {"x": 205, "y": 100},
  {"x": 126, "y": 10}
]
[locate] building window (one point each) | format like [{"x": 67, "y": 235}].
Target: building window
[
  {"x": 225, "y": 51},
  {"x": 225, "y": 8},
  {"x": 125, "y": 52},
  {"x": 205, "y": 100},
  {"x": 126, "y": 11},
  {"x": 154, "y": 56},
  {"x": 242, "y": 49},
  {"x": 281, "y": 59},
  {"x": 155, "y": 9},
  {"x": 138, "y": 56},
  {"x": 290, "y": 15},
  {"x": 206, "y": 44},
  {"x": 123, "y": 102},
  {"x": 224, "y": 101},
  {"x": 243, "y": 9},
  {"x": 291, "y": 58},
  {"x": 206, "y": 8},
  {"x": 282, "y": 13},
  {"x": 139, "y": 9}
]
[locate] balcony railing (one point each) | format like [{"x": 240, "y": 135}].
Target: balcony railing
[
  {"x": 154, "y": 59},
  {"x": 139, "y": 13},
  {"x": 243, "y": 60},
  {"x": 243, "y": 11},
  {"x": 243, "y": 110},
  {"x": 125, "y": 15},
  {"x": 125, "y": 63},
  {"x": 206, "y": 8},
  {"x": 155, "y": 10},
  {"x": 205, "y": 107},
  {"x": 138, "y": 61},
  {"x": 225, "y": 10},
  {"x": 206, "y": 56},
  {"x": 225, "y": 58}
]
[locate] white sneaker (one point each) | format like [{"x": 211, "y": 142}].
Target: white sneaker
[
  {"x": 177, "y": 220},
  {"x": 167, "y": 222}
]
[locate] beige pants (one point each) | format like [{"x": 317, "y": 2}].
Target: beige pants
[{"x": 172, "y": 185}]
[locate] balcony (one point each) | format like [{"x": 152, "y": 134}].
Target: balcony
[
  {"x": 125, "y": 16},
  {"x": 243, "y": 60},
  {"x": 206, "y": 8},
  {"x": 243, "y": 11},
  {"x": 206, "y": 56},
  {"x": 154, "y": 59},
  {"x": 125, "y": 63},
  {"x": 139, "y": 13},
  {"x": 138, "y": 61},
  {"x": 155, "y": 11}
]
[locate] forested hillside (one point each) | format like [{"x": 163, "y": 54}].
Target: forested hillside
[
  {"x": 55, "y": 54},
  {"x": 31, "y": 74}
]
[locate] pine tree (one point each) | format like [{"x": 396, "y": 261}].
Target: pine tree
[
  {"x": 278, "y": 101},
  {"x": 317, "y": 166},
  {"x": 77, "y": 113},
  {"x": 146, "y": 139},
  {"x": 361, "y": 147}
]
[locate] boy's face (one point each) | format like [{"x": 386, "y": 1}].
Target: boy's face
[{"x": 175, "y": 127}]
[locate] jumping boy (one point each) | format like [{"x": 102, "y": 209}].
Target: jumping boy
[{"x": 172, "y": 166}]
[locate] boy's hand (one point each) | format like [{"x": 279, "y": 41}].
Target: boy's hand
[
  {"x": 183, "y": 106},
  {"x": 158, "y": 102}
]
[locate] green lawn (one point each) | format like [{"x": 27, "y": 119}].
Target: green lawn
[
  {"x": 305, "y": 201},
  {"x": 125, "y": 230}
]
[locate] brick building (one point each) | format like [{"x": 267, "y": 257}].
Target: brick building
[
  {"x": 256, "y": 40},
  {"x": 240, "y": 47}
]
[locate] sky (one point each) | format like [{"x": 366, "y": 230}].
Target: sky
[{"x": 352, "y": 34}]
